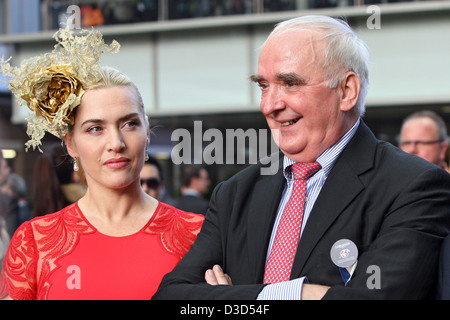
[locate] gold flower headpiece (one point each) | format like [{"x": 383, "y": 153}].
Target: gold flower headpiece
[{"x": 52, "y": 84}]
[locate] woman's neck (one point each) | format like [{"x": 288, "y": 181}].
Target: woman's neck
[{"x": 117, "y": 212}]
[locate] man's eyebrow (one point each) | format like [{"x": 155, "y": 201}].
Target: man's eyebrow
[
  {"x": 291, "y": 77},
  {"x": 256, "y": 78}
]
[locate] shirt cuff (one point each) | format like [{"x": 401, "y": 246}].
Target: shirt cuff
[{"x": 287, "y": 290}]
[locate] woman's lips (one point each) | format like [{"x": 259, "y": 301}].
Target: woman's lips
[{"x": 117, "y": 163}]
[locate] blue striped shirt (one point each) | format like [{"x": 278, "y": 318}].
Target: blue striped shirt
[{"x": 291, "y": 290}]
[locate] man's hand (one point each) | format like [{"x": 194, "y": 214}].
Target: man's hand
[
  {"x": 313, "y": 291},
  {"x": 216, "y": 276}
]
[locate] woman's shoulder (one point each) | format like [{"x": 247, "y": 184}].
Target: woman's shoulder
[
  {"x": 185, "y": 222},
  {"x": 167, "y": 210},
  {"x": 66, "y": 214},
  {"x": 178, "y": 229},
  {"x": 59, "y": 226}
]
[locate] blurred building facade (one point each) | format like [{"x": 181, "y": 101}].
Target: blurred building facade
[{"x": 191, "y": 60}]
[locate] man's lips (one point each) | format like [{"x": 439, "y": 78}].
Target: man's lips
[
  {"x": 288, "y": 123},
  {"x": 117, "y": 163}
]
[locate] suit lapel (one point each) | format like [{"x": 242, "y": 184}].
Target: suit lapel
[
  {"x": 262, "y": 211},
  {"x": 340, "y": 189}
]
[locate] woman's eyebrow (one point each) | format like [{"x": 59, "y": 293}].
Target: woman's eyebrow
[
  {"x": 91, "y": 121},
  {"x": 121, "y": 119},
  {"x": 129, "y": 116}
]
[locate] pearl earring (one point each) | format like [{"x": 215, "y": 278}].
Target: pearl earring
[
  {"x": 75, "y": 164},
  {"x": 146, "y": 156}
]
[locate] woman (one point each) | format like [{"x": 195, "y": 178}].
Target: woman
[{"x": 116, "y": 242}]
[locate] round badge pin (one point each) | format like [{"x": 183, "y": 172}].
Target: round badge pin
[{"x": 344, "y": 253}]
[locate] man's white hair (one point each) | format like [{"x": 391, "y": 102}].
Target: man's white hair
[{"x": 345, "y": 51}]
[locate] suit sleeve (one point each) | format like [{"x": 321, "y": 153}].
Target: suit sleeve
[
  {"x": 402, "y": 260},
  {"x": 187, "y": 280}
]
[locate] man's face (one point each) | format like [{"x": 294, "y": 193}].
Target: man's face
[
  {"x": 419, "y": 136},
  {"x": 151, "y": 181},
  {"x": 302, "y": 112}
]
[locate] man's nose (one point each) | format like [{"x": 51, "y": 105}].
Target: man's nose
[{"x": 272, "y": 100}]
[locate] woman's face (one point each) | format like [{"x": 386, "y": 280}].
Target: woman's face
[{"x": 109, "y": 137}]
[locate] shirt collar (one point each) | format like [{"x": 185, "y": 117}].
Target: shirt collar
[{"x": 328, "y": 157}]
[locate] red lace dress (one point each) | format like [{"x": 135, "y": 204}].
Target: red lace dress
[{"x": 62, "y": 256}]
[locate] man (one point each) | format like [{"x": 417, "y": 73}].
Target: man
[
  {"x": 152, "y": 181},
  {"x": 393, "y": 207},
  {"x": 195, "y": 183},
  {"x": 424, "y": 134}
]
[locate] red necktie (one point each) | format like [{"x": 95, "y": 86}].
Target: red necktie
[{"x": 281, "y": 258}]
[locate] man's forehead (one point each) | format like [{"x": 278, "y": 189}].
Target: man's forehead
[
  {"x": 302, "y": 37},
  {"x": 292, "y": 51}
]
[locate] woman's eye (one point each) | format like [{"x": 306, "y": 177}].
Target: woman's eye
[
  {"x": 94, "y": 129},
  {"x": 131, "y": 124}
]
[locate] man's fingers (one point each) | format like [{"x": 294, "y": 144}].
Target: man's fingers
[
  {"x": 216, "y": 276},
  {"x": 220, "y": 276},
  {"x": 210, "y": 277}
]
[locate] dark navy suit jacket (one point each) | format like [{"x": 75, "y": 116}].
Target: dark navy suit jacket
[{"x": 394, "y": 206}]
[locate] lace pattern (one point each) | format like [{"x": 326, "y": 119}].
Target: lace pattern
[
  {"x": 38, "y": 244},
  {"x": 33, "y": 250},
  {"x": 178, "y": 229}
]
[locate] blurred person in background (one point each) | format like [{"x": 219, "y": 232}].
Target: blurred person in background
[
  {"x": 9, "y": 209},
  {"x": 4, "y": 240},
  {"x": 152, "y": 181},
  {"x": 447, "y": 160},
  {"x": 195, "y": 183},
  {"x": 47, "y": 195},
  {"x": 69, "y": 180},
  {"x": 424, "y": 134},
  {"x": 16, "y": 187},
  {"x": 116, "y": 242}
]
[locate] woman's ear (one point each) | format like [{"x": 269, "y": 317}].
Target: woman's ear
[
  {"x": 350, "y": 89},
  {"x": 71, "y": 149}
]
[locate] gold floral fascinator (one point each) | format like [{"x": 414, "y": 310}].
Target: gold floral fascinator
[{"x": 52, "y": 84}]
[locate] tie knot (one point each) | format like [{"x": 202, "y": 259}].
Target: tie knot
[{"x": 304, "y": 170}]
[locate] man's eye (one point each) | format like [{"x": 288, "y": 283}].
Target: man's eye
[
  {"x": 262, "y": 85},
  {"x": 291, "y": 84}
]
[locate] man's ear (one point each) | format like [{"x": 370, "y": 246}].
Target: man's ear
[{"x": 350, "y": 88}]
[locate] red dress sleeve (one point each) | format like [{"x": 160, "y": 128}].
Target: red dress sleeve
[
  {"x": 178, "y": 229},
  {"x": 18, "y": 275}
]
